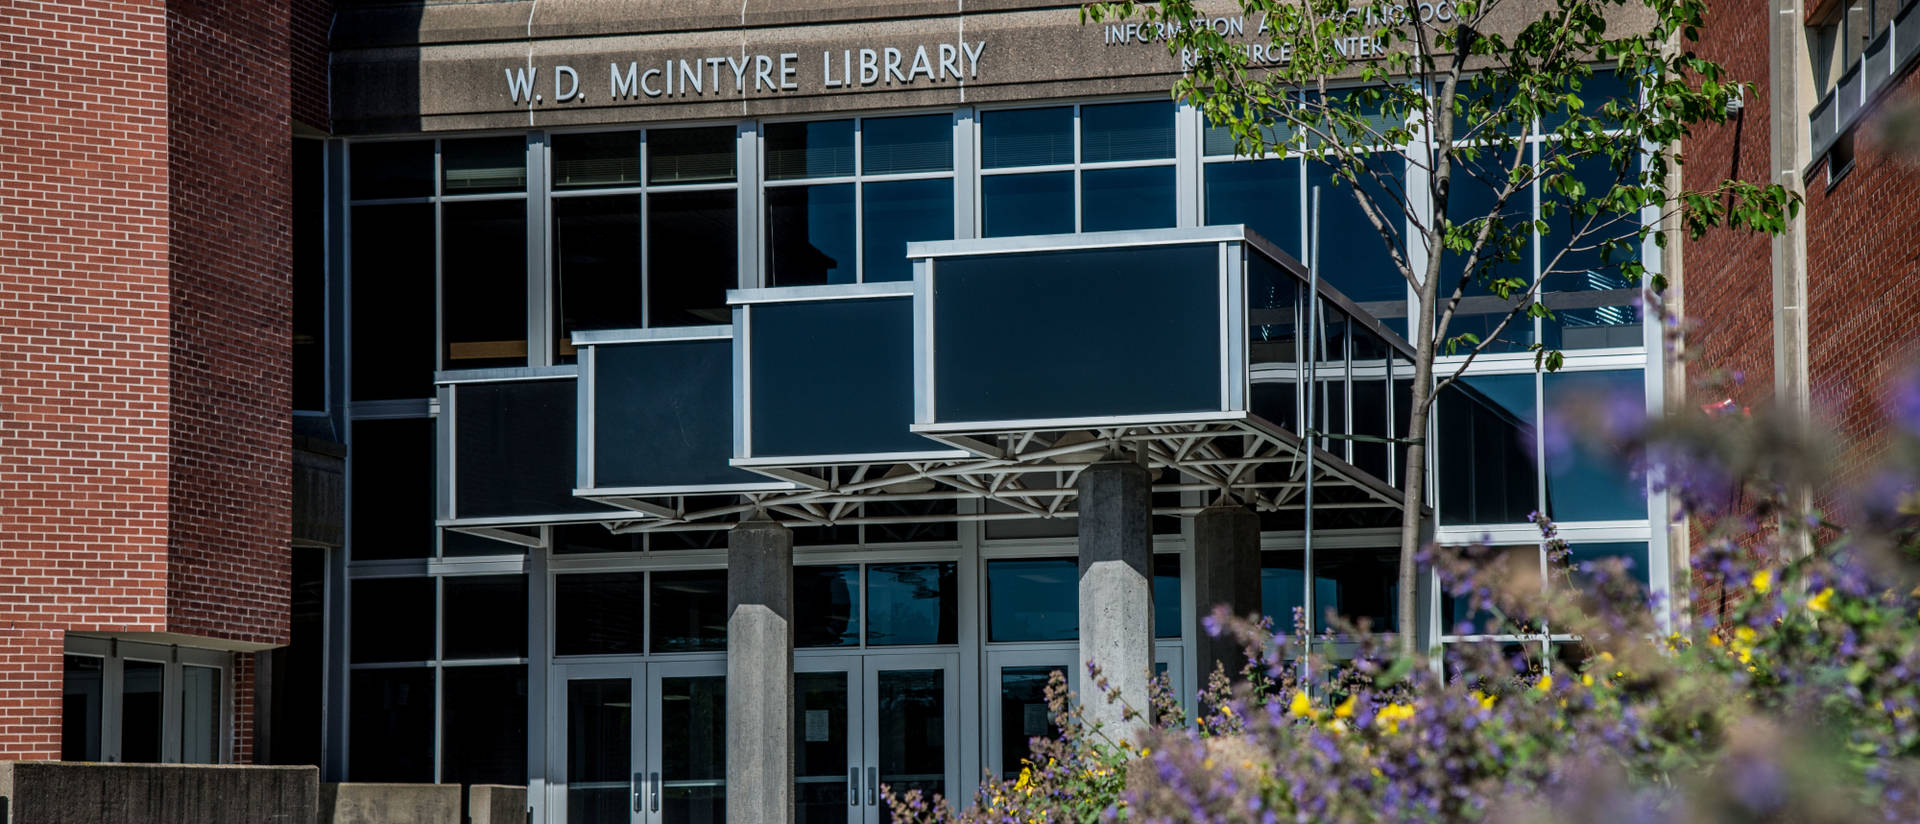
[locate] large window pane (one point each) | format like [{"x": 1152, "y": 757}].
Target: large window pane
[
  {"x": 483, "y": 279},
  {"x": 827, "y": 606},
  {"x": 1486, "y": 460},
  {"x": 1026, "y": 137},
  {"x": 704, "y": 155},
  {"x": 1262, "y": 194},
  {"x": 1633, "y": 553},
  {"x": 1588, "y": 479},
  {"x": 1507, "y": 254},
  {"x": 483, "y": 616},
  {"x": 1116, "y": 199},
  {"x": 141, "y": 711},
  {"x": 1126, "y": 131},
  {"x": 897, "y": 145},
  {"x": 483, "y": 728},
  {"x": 83, "y": 699},
  {"x": 1358, "y": 261},
  {"x": 596, "y": 265},
  {"x": 598, "y": 613},
  {"x": 310, "y": 376},
  {"x": 392, "y": 619},
  {"x": 1033, "y": 600},
  {"x": 821, "y": 148},
  {"x": 199, "y": 715},
  {"x": 1355, "y": 585},
  {"x": 693, "y": 258},
  {"x": 1039, "y": 204},
  {"x": 1166, "y": 595},
  {"x": 689, "y": 610},
  {"x": 1024, "y": 714},
  {"x": 385, "y": 169},
  {"x": 393, "y": 287},
  {"x": 391, "y": 470},
  {"x": 391, "y": 725},
  {"x": 912, "y": 604},
  {"x": 895, "y": 213},
  {"x": 810, "y": 233},
  {"x": 483, "y": 165},
  {"x": 593, "y": 160},
  {"x": 1592, "y": 302}
]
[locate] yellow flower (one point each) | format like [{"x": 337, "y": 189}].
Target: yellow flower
[
  {"x": 1586, "y": 679},
  {"x": 1390, "y": 716},
  {"x": 1026, "y": 777},
  {"x": 1485, "y": 700},
  {"x": 1819, "y": 602},
  {"x": 1345, "y": 710},
  {"x": 1144, "y": 752},
  {"x": 1762, "y": 581},
  {"x": 1301, "y": 706},
  {"x": 1544, "y": 684},
  {"x": 1745, "y": 635}
]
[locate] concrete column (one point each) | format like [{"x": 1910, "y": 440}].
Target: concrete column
[
  {"x": 759, "y": 674},
  {"x": 1116, "y": 590},
  {"x": 1226, "y": 571}
]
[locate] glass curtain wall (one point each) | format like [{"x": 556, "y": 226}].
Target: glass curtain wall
[
  {"x": 845, "y": 197},
  {"x": 1078, "y": 168}
]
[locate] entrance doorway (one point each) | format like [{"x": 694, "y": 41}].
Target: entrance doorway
[
  {"x": 863, "y": 722},
  {"x": 641, "y": 743}
]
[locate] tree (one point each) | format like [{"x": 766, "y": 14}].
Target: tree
[{"x": 1467, "y": 87}]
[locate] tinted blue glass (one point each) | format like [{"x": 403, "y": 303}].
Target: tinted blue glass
[
  {"x": 1358, "y": 261},
  {"x": 1633, "y": 553},
  {"x": 1591, "y": 299},
  {"x": 1594, "y": 92},
  {"x": 688, "y": 610},
  {"x": 1039, "y": 204},
  {"x": 1591, "y": 320},
  {"x": 1589, "y": 480},
  {"x": 1508, "y": 253},
  {"x": 833, "y": 377},
  {"x": 1127, "y": 199},
  {"x": 1485, "y": 457},
  {"x": 1273, "y": 297},
  {"x": 1026, "y": 137},
  {"x": 514, "y": 449},
  {"x": 1033, "y": 600},
  {"x": 1166, "y": 596},
  {"x": 896, "y": 145},
  {"x": 810, "y": 235},
  {"x": 664, "y": 414},
  {"x": 896, "y": 213},
  {"x": 826, "y": 606},
  {"x": 1283, "y": 588},
  {"x": 383, "y": 169},
  {"x": 912, "y": 604},
  {"x": 1263, "y": 194},
  {"x": 1126, "y": 131},
  {"x": 821, "y": 148},
  {"x": 1127, "y": 331}
]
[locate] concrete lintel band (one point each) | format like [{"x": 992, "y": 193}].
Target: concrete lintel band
[
  {"x": 1116, "y": 591},
  {"x": 759, "y": 674},
  {"x": 1226, "y": 571}
]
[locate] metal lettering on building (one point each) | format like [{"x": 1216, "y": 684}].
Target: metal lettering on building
[{"x": 745, "y": 74}]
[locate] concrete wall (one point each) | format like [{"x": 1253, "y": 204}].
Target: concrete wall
[
  {"x": 58, "y": 792},
  {"x": 389, "y": 804},
  {"x": 496, "y": 804}
]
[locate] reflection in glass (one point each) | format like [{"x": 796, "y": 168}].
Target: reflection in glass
[
  {"x": 592, "y": 160},
  {"x": 1036, "y": 204},
  {"x": 395, "y": 708},
  {"x": 1357, "y": 260},
  {"x": 82, "y": 701},
  {"x": 1485, "y": 460},
  {"x": 826, "y": 606},
  {"x": 1115, "y": 199},
  {"x": 702, "y": 155},
  {"x": 1587, "y": 478},
  {"x": 898, "y": 145},
  {"x": 911, "y": 708},
  {"x": 1033, "y": 600},
  {"x": 199, "y": 715},
  {"x": 598, "y": 613},
  {"x": 1634, "y": 553},
  {"x": 483, "y": 283},
  {"x": 599, "y": 750},
  {"x": 693, "y": 735},
  {"x": 912, "y": 604},
  {"x": 1265, "y": 195},
  {"x": 1508, "y": 254},
  {"x": 695, "y": 260},
  {"x": 1026, "y": 137},
  {"x": 897, "y": 212},
  {"x": 1024, "y": 715},
  {"x": 818, "y": 148},
  {"x": 596, "y": 265},
  {"x": 810, "y": 235},
  {"x": 483, "y": 165},
  {"x": 1126, "y": 131},
  {"x": 689, "y": 610},
  {"x": 820, "y": 751},
  {"x": 1355, "y": 584},
  {"x": 483, "y": 726}
]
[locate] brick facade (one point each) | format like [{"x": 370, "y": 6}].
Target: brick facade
[{"x": 144, "y": 289}]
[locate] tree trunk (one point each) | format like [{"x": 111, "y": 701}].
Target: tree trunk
[{"x": 1413, "y": 478}]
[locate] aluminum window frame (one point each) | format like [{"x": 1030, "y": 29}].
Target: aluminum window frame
[
  {"x": 114, "y": 652},
  {"x": 1177, "y": 160}
]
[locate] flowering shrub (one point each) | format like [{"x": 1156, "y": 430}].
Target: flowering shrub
[{"x": 1793, "y": 695}]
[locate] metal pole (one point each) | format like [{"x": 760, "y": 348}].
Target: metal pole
[{"x": 1309, "y": 392}]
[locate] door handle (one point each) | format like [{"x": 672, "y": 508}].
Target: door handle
[
  {"x": 656, "y": 792},
  {"x": 873, "y": 786},
  {"x": 853, "y": 786},
  {"x": 639, "y": 782}
]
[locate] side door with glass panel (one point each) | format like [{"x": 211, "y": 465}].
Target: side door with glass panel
[
  {"x": 1016, "y": 698},
  {"x": 863, "y": 723},
  {"x": 687, "y": 743}
]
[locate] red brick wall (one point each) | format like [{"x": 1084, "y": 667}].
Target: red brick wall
[
  {"x": 232, "y": 448},
  {"x": 83, "y": 341},
  {"x": 312, "y": 23}
]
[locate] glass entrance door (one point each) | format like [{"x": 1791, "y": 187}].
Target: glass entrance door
[
  {"x": 1016, "y": 703},
  {"x": 641, "y": 743},
  {"x": 867, "y": 722}
]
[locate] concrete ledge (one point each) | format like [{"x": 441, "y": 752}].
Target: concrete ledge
[
  {"x": 66, "y": 792},
  {"x": 389, "y": 804},
  {"x": 496, "y": 804}
]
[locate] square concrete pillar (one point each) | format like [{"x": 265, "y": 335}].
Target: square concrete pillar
[
  {"x": 1116, "y": 591},
  {"x": 1226, "y": 572},
  {"x": 759, "y": 674}
]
